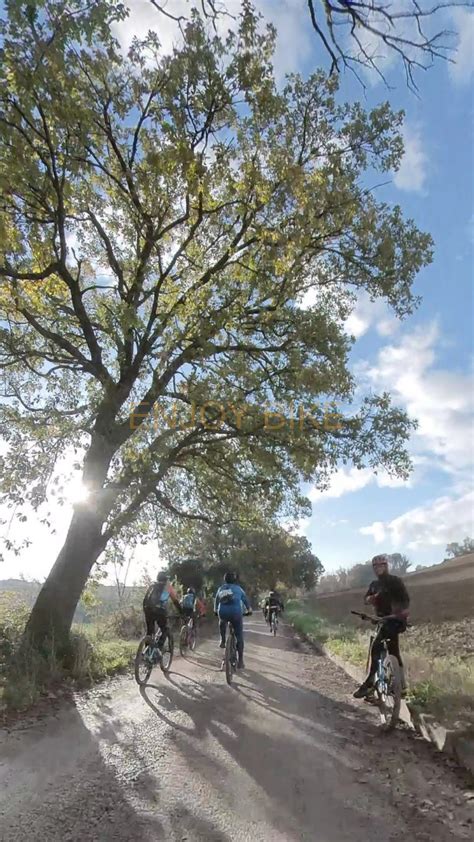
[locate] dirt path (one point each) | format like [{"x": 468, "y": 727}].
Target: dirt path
[{"x": 287, "y": 755}]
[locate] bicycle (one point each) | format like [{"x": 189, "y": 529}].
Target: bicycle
[
  {"x": 149, "y": 654},
  {"x": 388, "y": 678},
  {"x": 274, "y": 622},
  {"x": 229, "y": 662},
  {"x": 187, "y": 637}
]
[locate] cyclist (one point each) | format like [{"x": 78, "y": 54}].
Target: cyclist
[
  {"x": 390, "y": 599},
  {"x": 228, "y": 607},
  {"x": 272, "y": 603},
  {"x": 191, "y": 606},
  {"x": 155, "y": 605}
]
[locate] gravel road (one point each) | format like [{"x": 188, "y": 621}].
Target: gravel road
[{"x": 286, "y": 755}]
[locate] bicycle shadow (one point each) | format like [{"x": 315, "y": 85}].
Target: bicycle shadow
[{"x": 241, "y": 734}]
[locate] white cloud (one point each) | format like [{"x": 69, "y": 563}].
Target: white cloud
[
  {"x": 462, "y": 70},
  {"x": 413, "y": 170},
  {"x": 143, "y": 17},
  {"x": 366, "y": 314},
  {"x": 347, "y": 480},
  {"x": 294, "y": 43},
  {"x": 441, "y": 400},
  {"x": 445, "y": 519}
]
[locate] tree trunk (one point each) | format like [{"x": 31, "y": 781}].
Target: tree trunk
[{"x": 53, "y": 611}]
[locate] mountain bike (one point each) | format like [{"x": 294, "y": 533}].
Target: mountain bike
[
  {"x": 187, "y": 637},
  {"x": 149, "y": 654},
  {"x": 388, "y": 678},
  {"x": 229, "y": 663},
  {"x": 274, "y": 622}
]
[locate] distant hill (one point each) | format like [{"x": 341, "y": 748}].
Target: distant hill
[{"x": 107, "y": 597}]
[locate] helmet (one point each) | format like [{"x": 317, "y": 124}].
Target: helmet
[
  {"x": 272, "y": 593},
  {"x": 190, "y": 590},
  {"x": 162, "y": 577},
  {"x": 229, "y": 578},
  {"x": 380, "y": 560}
]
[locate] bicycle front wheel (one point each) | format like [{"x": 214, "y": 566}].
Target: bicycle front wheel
[
  {"x": 390, "y": 696},
  {"x": 167, "y": 653},
  {"x": 143, "y": 667}
]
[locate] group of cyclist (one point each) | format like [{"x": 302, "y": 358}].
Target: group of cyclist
[{"x": 386, "y": 593}]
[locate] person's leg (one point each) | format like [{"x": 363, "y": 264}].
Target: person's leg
[
  {"x": 238, "y": 627},
  {"x": 150, "y": 621},
  {"x": 374, "y": 656},
  {"x": 162, "y": 620},
  {"x": 393, "y": 645},
  {"x": 222, "y": 629}
]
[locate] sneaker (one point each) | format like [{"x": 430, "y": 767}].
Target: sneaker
[
  {"x": 363, "y": 691},
  {"x": 222, "y": 644}
]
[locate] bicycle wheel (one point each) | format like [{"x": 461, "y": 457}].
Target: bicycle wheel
[
  {"x": 229, "y": 657},
  {"x": 183, "y": 640},
  {"x": 167, "y": 653},
  {"x": 192, "y": 639},
  {"x": 274, "y": 625},
  {"x": 143, "y": 667},
  {"x": 390, "y": 693}
]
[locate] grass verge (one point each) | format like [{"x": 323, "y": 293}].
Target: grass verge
[
  {"x": 92, "y": 654},
  {"x": 441, "y": 684}
]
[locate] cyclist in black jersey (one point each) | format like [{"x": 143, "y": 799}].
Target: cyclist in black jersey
[{"x": 390, "y": 599}]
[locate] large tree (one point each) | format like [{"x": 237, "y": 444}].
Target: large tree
[{"x": 161, "y": 219}]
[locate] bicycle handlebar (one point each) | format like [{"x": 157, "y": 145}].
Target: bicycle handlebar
[
  {"x": 374, "y": 620},
  {"x": 367, "y": 617}
]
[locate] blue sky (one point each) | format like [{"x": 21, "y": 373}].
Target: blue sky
[{"x": 426, "y": 362}]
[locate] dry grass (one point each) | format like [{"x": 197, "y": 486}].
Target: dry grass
[{"x": 439, "y": 660}]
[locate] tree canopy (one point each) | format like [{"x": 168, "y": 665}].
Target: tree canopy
[
  {"x": 263, "y": 557},
  {"x": 162, "y": 218}
]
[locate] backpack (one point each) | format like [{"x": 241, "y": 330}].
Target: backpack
[
  {"x": 226, "y": 596},
  {"x": 188, "y": 600},
  {"x": 156, "y": 596}
]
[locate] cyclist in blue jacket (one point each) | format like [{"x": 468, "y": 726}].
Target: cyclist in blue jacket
[{"x": 228, "y": 607}]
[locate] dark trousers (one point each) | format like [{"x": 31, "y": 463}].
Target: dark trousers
[
  {"x": 238, "y": 626},
  {"x": 390, "y": 632},
  {"x": 160, "y": 617},
  {"x": 272, "y": 610}
]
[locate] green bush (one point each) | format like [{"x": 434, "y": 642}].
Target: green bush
[
  {"x": 14, "y": 613},
  {"x": 127, "y": 623}
]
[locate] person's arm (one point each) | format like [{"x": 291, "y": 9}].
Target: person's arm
[
  {"x": 174, "y": 598},
  {"x": 200, "y": 607},
  {"x": 371, "y": 596},
  {"x": 282, "y": 606},
  {"x": 245, "y": 600},
  {"x": 147, "y": 595},
  {"x": 400, "y": 601}
]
